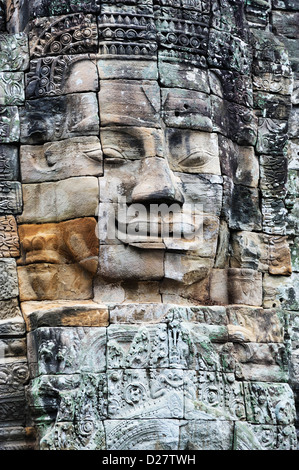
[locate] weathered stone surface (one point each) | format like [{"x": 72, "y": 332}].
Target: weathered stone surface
[
  {"x": 47, "y": 281},
  {"x": 61, "y": 200},
  {"x": 71, "y": 34},
  {"x": 118, "y": 263},
  {"x": 273, "y": 83},
  {"x": 238, "y": 162},
  {"x": 72, "y": 241},
  {"x": 11, "y": 88},
  {"x": 60, "y": 75},
  {"x": 241, "y": 206},
  {"x": 10, "y": 197},
  {"x": 135, "y": 103},
  {"x": 231, "y": 86},
  {"x": 234, "y": 121},
  {"x": 17, "y": 438},
  {"x": 9, "y": 124},
  {"x": 186, "y": 109},
  {"x": 48, "y": 8},
  {"x": 8, "y": 279},
  {"x": 11, "y": 320},
  {"x": 142, "y": 434},
  {"x": 131, "y": 143},
  {"x": 192, "y": 151},
  {"x": 245, "y": 286},
  {"x": 264, "y": 437},
  {"x": 281, "y": 291},
  {"x": 206, "y": 435},
  {"x": 272, "y": 136},
  {"x": 116, "y": 67},
  {"x": 52, "y": 161},
  {"x": 138, "y": 341},
  {"x": 9, "y": 163},
  {"x": 181, "y": 75},
  {"x": 48, "y": 119},
  {"x": 261, "y": 251},
  {"x": 46, "y": 345},
  {"x": 64, "y": 313},
  {"x": 256, "y": 325},
  {"x": 14, "y": 52},
  {"x": 9, "y": 239}
]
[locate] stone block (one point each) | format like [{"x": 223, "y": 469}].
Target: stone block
[
  {"x": 127, "y": 291},
  {"x": 66, "y": 350},
  {"x": 62, "y": 117},
  {"x": 14, "y": 376},
  {"x": 142, "y": 434},
  {"x": 206, "y": 435},
  {"x": 273, "y": 83},
  {"x": 135, "y": 103},
  {"x": 272, "y": 136},
  {"x": 256, "y": 325},
  {"x": 47, "y": 281},
  {"x": 183, "y": 75},
  {"x": 12, "y": 88},
  {"x": 234, "y": 121},
  {"x": 60, "y": 75},
  {"x": 9, "y": 124},
  {"x": 10, "y": 198},
  {"x": 52, "y": 161},
  {"x": 231, "y": 86},
  {"x": 8, "y": 279},
  {"x": 261, "y": 251},
  {"x": 274, "y": 214},
  {"x": 72, "y": 241},
  {"x": 9, "y": 163},
  {"x": 131, "y": 143},
  {"x": 137, "y": 346},
  {"x": 245, "y": 286},
  {"x": 281, "y": 291},
  {"x": 9, "y": 239},
  {"x": 241, "y": 206},
  {"x": 210, "y": 396},
  {"x": 14, "y": 52},
  {"x": 186, "y": 268},
  {"x": 86, "y": 313},
  {"x": 261, "y": 362},
  {"x": 269, "y": 403},
  {"x": 68, "y": 34},
  {"x": 17, "y": 438},
  {"x": 12, "y": 411},
  {"x": 204, "y": 190},
  {"x": 48, "y": 8},
  {"x": 139, "y": 393},
  {"x": 265, "y": 437},
  {"x": 11, "y": 321},
  {"x": 186, "y": 109},
  {"x": 272, "y": 106},
  {"x": 238, "y": 162},
  {"x": 191, "y": 151},
  {"x": 61, "y": 200}
]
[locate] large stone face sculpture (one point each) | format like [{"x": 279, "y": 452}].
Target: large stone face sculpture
[{"x": 148, "y": 225}]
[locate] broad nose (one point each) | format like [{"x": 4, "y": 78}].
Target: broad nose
[{"x": 157, "y": 183}]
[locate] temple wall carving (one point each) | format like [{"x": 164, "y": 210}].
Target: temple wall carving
[{"x": 123, "y": 124}]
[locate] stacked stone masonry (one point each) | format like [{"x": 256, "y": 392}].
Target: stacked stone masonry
[{"x": 114, "y": 341}]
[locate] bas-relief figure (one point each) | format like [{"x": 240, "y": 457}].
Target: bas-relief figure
[{"x": 138, "y": 341}]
